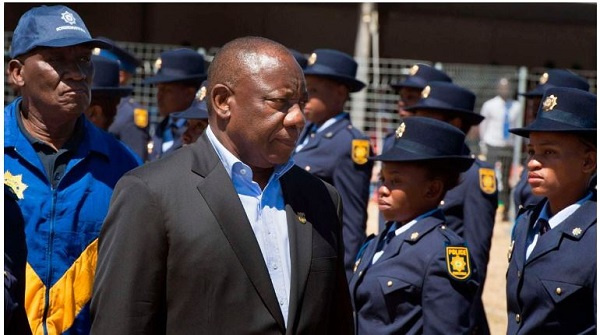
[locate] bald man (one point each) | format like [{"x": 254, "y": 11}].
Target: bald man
[{"x": 227, "y": 235}]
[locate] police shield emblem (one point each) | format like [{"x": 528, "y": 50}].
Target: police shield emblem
[
  {"x": 487, "y": 180},
  {"x": 360, "y": 151},
  {"x": 458, "y": 262},
  {"x": 15, "y": 182},
  {"x": 140, "y": 117}
]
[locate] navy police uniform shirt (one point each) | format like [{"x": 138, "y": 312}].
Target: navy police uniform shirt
[
  {"x": 423, "y": 283},
  {"x": 553, "y": 291},
  {"x": 178, "y": 127},
  {"x": 338, "y": 155},
  {"x": 522, "y": 193},
  {"x": 470, "y": 210},
  {"x": 131, "y": 126}
]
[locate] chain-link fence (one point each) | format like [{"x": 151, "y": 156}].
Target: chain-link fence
[{"x": 377, "y": 115}]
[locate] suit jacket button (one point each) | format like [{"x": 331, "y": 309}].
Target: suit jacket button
[
  {"x": 518, "y": 318},
  {"x": 558, "y": 291}
]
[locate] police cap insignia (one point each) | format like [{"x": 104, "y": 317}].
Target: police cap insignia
[
  {"x": 487, "y": 180},
  {"x": 140, "y": 117},
  {"x": 15, "y": 182},
  {"x": 413, "y": 70},
  {"x": 96, "y": 51},
  {"x": 400, "y": 130},
  {"x": 201, "y": 93},
  {"x": 312, "y": 59},
  {"x": 425, "y": 92},
  {"x": 157, "y": 64},
  {"x": 458, "y": 262},
  {"x": 360, "y": 151},
  {"x": 550, "y": 103},
  {"x": 544, "y": 78}
]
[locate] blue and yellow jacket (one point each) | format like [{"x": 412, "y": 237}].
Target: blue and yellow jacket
[{"x": 62, "y": 224}]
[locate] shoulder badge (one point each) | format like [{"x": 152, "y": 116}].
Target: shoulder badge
[
  {"x": 15, "y": 183},
  {"x": 360, "y": 151},
  {"x": 140, "y": 117},
  {"x": 458, "y": 262},
  {"x": 487, "y": 180}
]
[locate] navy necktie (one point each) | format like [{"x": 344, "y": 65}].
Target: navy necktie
[{"x": 544, "y": 226}]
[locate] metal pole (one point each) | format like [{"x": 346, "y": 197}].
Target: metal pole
[{"x": 516, "y": 161}]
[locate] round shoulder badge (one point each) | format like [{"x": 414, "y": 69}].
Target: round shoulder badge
[{"x": 360, "y": 151}]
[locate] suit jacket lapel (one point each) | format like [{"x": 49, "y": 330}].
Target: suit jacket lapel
[
  {"x": 574, "y": 226},
  {"x": 218, "y": 192},
  {"x": 300, "y": 237}
]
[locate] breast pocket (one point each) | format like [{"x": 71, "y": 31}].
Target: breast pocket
[
  {"x": 399, "y": 296},
  {"x": 560, "y": 291}
]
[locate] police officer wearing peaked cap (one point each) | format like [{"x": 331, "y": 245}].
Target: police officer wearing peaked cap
[
  {"x": 551, "y": 278},
  {"x": 330, "y": 147},
  {"x": 409, "y": 91},
  {"x": 196, "y": 116},
  {"x": 179, "y": 76},
  {"x": 552, "y": 78},
  {"x": 470, "y": 207},
  {"x": 131, "y": 124},
  {"x": 106, "y": 92},
  {"x": 417, "y": 276}
]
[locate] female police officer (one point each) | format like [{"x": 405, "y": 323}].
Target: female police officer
[
  {"x": 551, "y": 279},
  {"x": 417, "y": 276}
]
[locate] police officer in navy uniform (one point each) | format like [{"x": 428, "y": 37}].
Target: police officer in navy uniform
[
  {"x": 196, "y": 116},
  {"x": 409, "y": 91},
  {"x": 551, "y": 279},
  {"x": 552, "y": 78},
  {"x": 178, "y": 79},
  {"x": 330, "y": 147},
  {"x": 131, "y": 124},
  {"x": 106, "y": 92},
  {"x": 470, "y": 207},
  {"x": 417, "y": 276}
]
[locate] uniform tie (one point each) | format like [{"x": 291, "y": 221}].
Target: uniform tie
[{"x": 544, "y": 226}]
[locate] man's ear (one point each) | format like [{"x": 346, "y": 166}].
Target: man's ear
[
  {"x": 15, "y": 72},
  {"x": 221, "y": 99}
]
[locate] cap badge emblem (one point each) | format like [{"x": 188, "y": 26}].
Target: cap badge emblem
[
  {"x": 550, "y": 103},
  {"x": 400, "y": 130},
  {"x": 425, "y": 92},
  {"x": 68, "y": 18},
  {"x": 413, "y": 70},
  {"x": 157, "y": 64},
  {"x": 544, "y": 78},
  {"x": 96, "y": 51},
  {"x": 201, "y": 93},
  {"x": 312, "y": 59}
]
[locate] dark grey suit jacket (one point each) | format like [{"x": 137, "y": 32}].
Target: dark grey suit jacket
[{"x": 177, "y": 255}]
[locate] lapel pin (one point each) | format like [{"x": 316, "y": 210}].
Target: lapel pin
[{"x": 301, "y": 217}]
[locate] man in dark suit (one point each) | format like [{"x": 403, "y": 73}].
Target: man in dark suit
[{"x": 226, "y": 235}]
